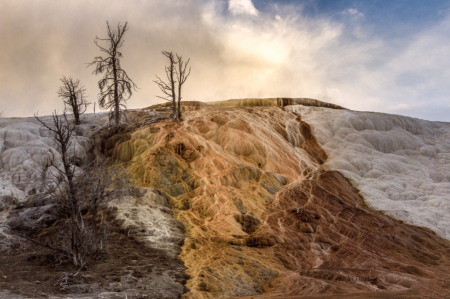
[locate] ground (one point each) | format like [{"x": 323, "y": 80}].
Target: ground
[{"x": 32, "y": 272}]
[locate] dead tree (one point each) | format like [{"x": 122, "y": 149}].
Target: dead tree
[
  {"x": 66, "y": 189},
  {"x": 99, "y": 176},
  {"x": 115, "y": 86},
  {"x": 182, "y": 77},
  {"x": 78, "y": 239},
  {"x": 74, "y": 98},
  {"x": 168, "y": 88}
]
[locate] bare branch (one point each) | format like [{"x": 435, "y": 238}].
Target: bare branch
[
  {"x": 46, "y": 245},
  {"x": 168, "y": 88}
]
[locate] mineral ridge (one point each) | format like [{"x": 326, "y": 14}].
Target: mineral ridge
[{"x": 258, "y": 199}]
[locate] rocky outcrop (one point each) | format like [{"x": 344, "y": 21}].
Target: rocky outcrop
[
  {"x": 333, "y": 243},
  {"x": 401, "y": 165},
  {"x": 249, "y": 102},
  {"x": 280, "y": 102},
  {"x": 29, "y": 160},
  {"x": 263, "y": 212},
  {"x": 144, "y": 238},
  {"x": 260, "y": 200}
]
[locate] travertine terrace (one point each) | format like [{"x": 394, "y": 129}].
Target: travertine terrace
[
  {"x": 263, "y": 210},
  {"x": 289, "y": 200}
]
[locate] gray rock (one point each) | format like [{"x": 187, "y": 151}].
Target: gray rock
[
  {"x": 7, "y": 201},
  {"x": 27, "y": 219},
  {"x": 236, "y": 247}
]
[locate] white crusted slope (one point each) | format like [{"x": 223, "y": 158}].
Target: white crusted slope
[
  {"x": 28, "y": 153},
  {"x": 29, "y": 157},
  {"x": 400, "y": 164}
]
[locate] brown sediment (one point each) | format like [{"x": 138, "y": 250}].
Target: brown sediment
[
  {"x": 334, "y": 244},
  {"x": 310, "y": 145}
]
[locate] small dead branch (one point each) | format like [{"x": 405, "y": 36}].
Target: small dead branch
[{"x": 43, "y": 244}]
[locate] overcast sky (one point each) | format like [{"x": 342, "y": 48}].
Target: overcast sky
[{"x": 384, "y": 56}]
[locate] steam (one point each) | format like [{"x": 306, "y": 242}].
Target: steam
[
  {"x": 242, "y": 7},
  {"x": 236, "y": 51}
]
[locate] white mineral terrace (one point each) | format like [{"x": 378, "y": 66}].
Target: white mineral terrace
[{"x": 400, "y": 164}]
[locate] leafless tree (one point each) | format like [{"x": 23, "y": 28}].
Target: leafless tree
[
  {"x": 176, "y": 72},
  {"x": 66, "y": 189},
  {"x": 115, "y": 86},
  {"x": 168, "y": 88},
  {"x": 99, "y": 176},
  {"x": 71, "y": 187},
  {"x": 73, "y": 96},
  {"x": 182, "y": 77}
]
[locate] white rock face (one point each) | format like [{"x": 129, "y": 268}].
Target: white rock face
[
  {"x": 28, "y": 154},
  {"x": 149, "y": 218},
  {"x": 400, "y": 164}
]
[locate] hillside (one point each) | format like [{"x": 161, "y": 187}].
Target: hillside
[{"x": 293, "y": 200}]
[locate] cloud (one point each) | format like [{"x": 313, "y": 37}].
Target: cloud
[
  {"x": 242, "y": 7},
  {"x": 400, "y": 106},
  {"x": 352, "y": 12},
  {"x": 282, "y": 52},
  {"x": 444, "y": 11}
]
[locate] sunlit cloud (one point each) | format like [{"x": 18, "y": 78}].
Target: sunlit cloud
[
  {"x": 242, "y": 7},
  {"x": 236, "y": 51},
  {"x": 400, "y": 106}
]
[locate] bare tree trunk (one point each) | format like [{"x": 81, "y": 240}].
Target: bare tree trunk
[
  {"x": 179, "y": 101},
  {"x": 94, "y": 225},
  {"x": 72, "y": 196},
  {"x": 116, "y": 96},
  {"x": 76, "y": 113},
  {"x": 181, "y": 77},
  {"x": 169, "y": 88},
  {"x": 172, "y": 68}
]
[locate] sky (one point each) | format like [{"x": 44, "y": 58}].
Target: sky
[{"x": 383, "y": 56}]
